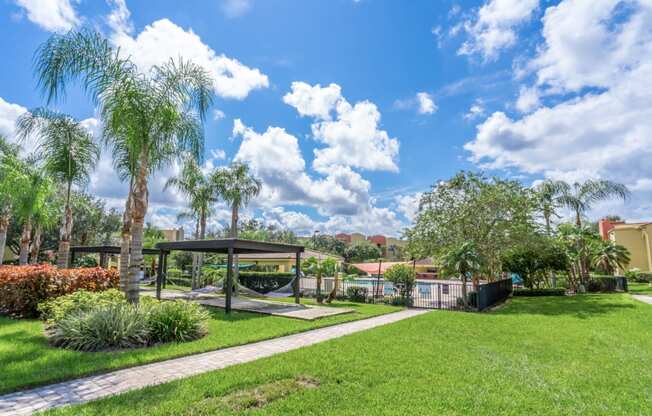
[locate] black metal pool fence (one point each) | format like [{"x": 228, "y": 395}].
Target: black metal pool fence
[{"x": 430, "y": 294}]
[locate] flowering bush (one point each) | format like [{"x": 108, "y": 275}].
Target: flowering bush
[{"x": 23, "y": 287}]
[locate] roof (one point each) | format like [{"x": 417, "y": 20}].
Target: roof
[
  {"x": 629, "y": 226},
  {"x": 108, "y": 249},
  {"x": 225, "y": 245},
  {"x": 372, "y": 268},
  {"x": 282, "y": 256}
]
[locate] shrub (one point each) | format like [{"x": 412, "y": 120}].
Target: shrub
[
  {"x": 540, "y": 292},
  {"x": 403, "y": 277},
  {"x": 357, "y": 293},
  {"x": 81, "y": 301},
  {"x": 472, "y": 298},
  {"x": 636, "y": 275},
  {"x": 606, "y": 284},
  {"x": 212, "y": 276},
  {"x": 22, "y": 288},
  {"x": 177, "y": 321},
  {"x": 263, "y": 282},
  {"x": 106, "y": 327}
]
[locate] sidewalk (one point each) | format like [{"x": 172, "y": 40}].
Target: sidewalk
[{"x": 103, "y": 385}]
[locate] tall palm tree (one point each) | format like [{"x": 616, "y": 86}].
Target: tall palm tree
[
  {"x": 201, "y": 192},
  {"x": 149, "y": 120},
  {"x": 44, "y": 219},
  {"x": 608, "y": 256},
  {"x": 548, "y": 193},
  {"x": 8, "y": 161},
  {"x": 69, "y": 155},
  {"x": 463, "y": 261},
  {"x": 580, "y": 197},
  {"x": 237, "y": 186}
]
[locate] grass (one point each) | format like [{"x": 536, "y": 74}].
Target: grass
[
  {"x": 27, "y": 360},
  {"x": 580, "y": 355},
  {"x": 639, "y": 288}
]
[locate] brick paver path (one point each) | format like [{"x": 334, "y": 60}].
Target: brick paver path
[
  {"x": 643, "y": 298},
  {"x": 103, "y": 385}
]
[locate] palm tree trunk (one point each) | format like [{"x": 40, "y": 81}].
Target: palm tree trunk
[
  {"x": 66, "y": 232},
  {"x": 126, "y": 239},
  {"x": 36, "y": 244},
  {"x": 4, "y": 226},
  {"x": 25, "y": 239},
  {"x": 137, "y": 228},
  {"x": 195, "y": 261},
  {"x": 236, "y": 258},
  {"x": 202, "y": 235}
]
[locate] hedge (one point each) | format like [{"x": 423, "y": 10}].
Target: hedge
[
  {"x": 23, "y": 287},
  {"x": 539, "y": 292},
  {"x": 263, "y": 282}
]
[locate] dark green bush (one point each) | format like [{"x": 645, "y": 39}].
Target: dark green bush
[
  {"x": 472, "y": 299},
  {"x": 606, "y": 284},
  {"x": 357, "y": 293},
  {"x": 177, "y": 321},
  {"x": 264, "y": 282},
  {"x": 540, "y": 292}
]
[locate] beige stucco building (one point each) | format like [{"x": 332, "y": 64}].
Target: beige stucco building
[{"x": 636, "y": 238}]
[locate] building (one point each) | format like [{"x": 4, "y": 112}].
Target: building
[
  {"x": 391, "y": 248},
  {"x": 635, "y": 237},
  {"x": 283, "y": 262},
  {"x": 174, "y": 234}
]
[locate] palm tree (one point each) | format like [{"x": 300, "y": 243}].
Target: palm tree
[
  {"x": 148, "y": 120},
  {"x": 607, "y": 256},
  {"x": 319, "y": 269},
  {"x": 201, "y": 193},
  {"x": 44, "y": 219},
  {"x": 237, "y": 187},
  {"x": 580, "y": 197},
  {"x": 548, "y": 193},
  {"x": 463, "y": 261},
  {"x": 69, "y": 155}
]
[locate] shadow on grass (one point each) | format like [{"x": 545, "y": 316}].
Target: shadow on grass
[{"x": 580, "y": 306}]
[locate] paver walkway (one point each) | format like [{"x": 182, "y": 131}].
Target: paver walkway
[
  {"x": 103, "y": 385},
  {"x": 643, "y": 298}
]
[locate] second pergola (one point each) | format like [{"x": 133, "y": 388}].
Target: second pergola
[{"x": 230, "y": 247}]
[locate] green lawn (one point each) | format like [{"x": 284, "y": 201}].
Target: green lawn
[
  {"x": 582, "y": 355},
  {"x": 640, "y": 288},
  {"x": 26, "y": 359}
]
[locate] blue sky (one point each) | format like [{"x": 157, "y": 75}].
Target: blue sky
[{"x": 371, "y": 101}]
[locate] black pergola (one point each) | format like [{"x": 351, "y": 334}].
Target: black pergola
[
  {"x": 230, "y": 247},
  {"x": 103, "y": 251}
]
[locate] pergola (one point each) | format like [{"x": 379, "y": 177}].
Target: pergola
[
  {"x": 103, "y": 251},
  {"x": 230, "y": 247}
]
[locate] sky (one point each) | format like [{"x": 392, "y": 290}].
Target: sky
[{"x": 348, "y": 110}]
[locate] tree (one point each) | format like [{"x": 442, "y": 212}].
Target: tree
[
  {"x": 237, "y": 187},
  {"x": 609, "y": 256},
  {"x": 580, "y": 197},
  {"x": 491, "y": 213},
  {"x": 548, "y": 193},
  {"x": 361, "y": 251},
  {"x": 201, "y": 193},
  {"x": 403, "y": 277},
  {"x": 8, "y": 187},
  {"x": 535, "y": 259},
  {"x": 465, "y": 261},
  {"x": 327, "y": 244},
  {"x": 69, "y": 155},
  {"x": 319, "y": 268},
  {"x": 148, "y": 120}
]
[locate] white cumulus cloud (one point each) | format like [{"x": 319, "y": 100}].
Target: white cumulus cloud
[{"x": 51, "y": 15}]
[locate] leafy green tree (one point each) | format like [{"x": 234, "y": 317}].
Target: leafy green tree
[
  {"x": 361, "y": 251},
  {"x": 579, "y": 198},
  {"x": 404, "y": 278},
  {"x": 609, "y": 256},
  {"x": 9, "y": 175},
  {"x": 327, "y": 244},
  {"x": 69, "y": 155},
  {"x": 464, "y": 261},
  {"x": 313, "y": 266},
  {"x": 576, "y": 242},
  {"x": 237, "y": 186},
  {"x": 148, "y": 120},
  {"x": 491, "y": 213},
  {"x": 535, "y": 259}
]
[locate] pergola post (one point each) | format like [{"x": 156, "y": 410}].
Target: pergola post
[
  {"x": 159, "y": 274},
  {"x": 71, "y": 259},
  {"x": 229, "y": 280},
  {"x": 297, "y": 278},
  {"x": 165, "y": 269}
]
